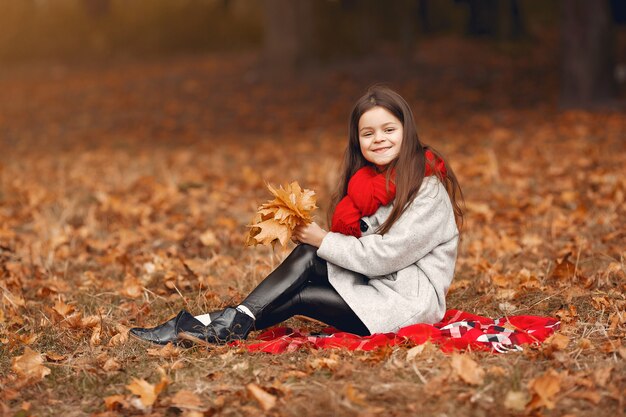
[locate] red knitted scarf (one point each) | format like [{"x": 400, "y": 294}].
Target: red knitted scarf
[{"x": 367, "y": 191}]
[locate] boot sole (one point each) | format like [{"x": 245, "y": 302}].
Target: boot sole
[{"x": 190, "y": 338}]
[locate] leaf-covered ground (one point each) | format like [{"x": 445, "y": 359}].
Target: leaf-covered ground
[{"x": 125, "y": 191}]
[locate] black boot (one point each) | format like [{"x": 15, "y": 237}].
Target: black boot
[
  {"x": 230, "y": 325},
  {"x": 166, "y": 332}
]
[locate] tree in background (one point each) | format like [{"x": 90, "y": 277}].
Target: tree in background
[{"x": 587, "y": 53}]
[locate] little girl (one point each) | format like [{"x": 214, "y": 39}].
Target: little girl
[{"x": 390, "y": 255}]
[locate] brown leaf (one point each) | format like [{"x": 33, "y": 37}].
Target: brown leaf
[
  {"x": 120, "y": 338},
  {"x": 30, "y": 365},
  {"x": 115, "y": 402},
  {"x": 146, "y": 391},
  {"x": 111, "y": 365},
  {"x": 516, "y": 400},
  {"x": 558, "y": 341},
  {"x": 276, "y": 219},
  {"x": 96, "y": 336},
  {"x": 266, "y": 400},
  {"x": 354, "y": 395},
  {"x": 564, "y": 272},
  {"x": 208, "y": 238},
  {"x": 467, "y": 369},
  {"x": 544, "y": 389},
  {"x": 331, "y": 362},
  {"x": 592, "y": 396},
  {"x": 187, "y": 400},
  {"x": 132, "y": 287},
  {"x": 91, "y": 321},
  {"x": 63, "y": 309},
  {"x": 168, "y": 351},
  {"x": 602, "y": 375},
  {"x": 424, "y": 348},
  {"x": 271, "y": 231}
]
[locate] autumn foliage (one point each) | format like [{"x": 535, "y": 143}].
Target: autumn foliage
[{"x": 275, "y": 220}]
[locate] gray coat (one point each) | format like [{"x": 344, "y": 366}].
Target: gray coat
[{"x": 402, "y": 277}]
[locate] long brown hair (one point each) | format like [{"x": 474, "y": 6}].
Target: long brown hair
[{"x": 409, "y": 166}]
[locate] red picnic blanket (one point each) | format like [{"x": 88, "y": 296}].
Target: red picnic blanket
[{"x": 457, "y": 330}]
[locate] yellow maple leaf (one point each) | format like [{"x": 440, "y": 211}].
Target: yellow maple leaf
[
  {"x": 146, "y": 391},
  {"x": 275, "y": 220},
  {"x": 270, "y": 231}
]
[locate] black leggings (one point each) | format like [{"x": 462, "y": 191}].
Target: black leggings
[{"x": 299, "y": 285}]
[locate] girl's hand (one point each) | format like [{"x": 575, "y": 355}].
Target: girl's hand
[{"x": 310, "y": 234}]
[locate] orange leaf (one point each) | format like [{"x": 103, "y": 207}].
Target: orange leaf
[
  {"x": 467, "y": 369},
  {"x": 114, "y": 402},
  {"x": 271, "y": 231},
  {"x": 276, "y": 219},
  {"x": 63, "y": 309},
  {"x": 167, "y": 351},
  {"x": 266, "y": 400},
  {"x": 146, "y": 391},
  {"x": 30, "y": 365},
  {"x": 558, "y": 341},
  {"x": 187, "y": 400},
  {"x": 544, "y": 389}
]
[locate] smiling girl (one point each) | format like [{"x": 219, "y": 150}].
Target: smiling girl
[{"x": 390, "y": 255}]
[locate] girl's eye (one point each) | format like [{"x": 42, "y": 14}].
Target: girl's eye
[
  {"x": 367, "y": 134},
  {"x": 389, "y": 130}
]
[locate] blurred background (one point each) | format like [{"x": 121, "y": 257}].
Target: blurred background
[{"x": 73, "y": 70}]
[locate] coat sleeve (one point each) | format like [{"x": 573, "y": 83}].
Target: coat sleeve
[{"x": 427, "y": 223}]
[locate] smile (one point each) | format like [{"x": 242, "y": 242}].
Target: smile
[{"x": 381, "y": 150}]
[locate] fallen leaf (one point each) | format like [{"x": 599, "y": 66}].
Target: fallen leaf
[
  {"x": 168, "y": 351},
  {"x": 558, "y": 341},
  {"x": 132, "y": 287},
  {"x": 354, "y": 395},
  {"x": 30, "y": 365},
  {"x": 418, "y": 350},
  {"x": 467, "y": 369},
  {"x": 602, "y": 375},
  {"x": 592, "y": 396},
  {"x": 96, "y": 336},
  {"x": 120, "y": 338},
  {"x": 564, "y": 272},
  {"x": 544, "y": 389},
  {"x": 187, "y": 400},
  {"x": 111, "y": 365},
  {"x": 63, "y": 309},
  {"x": 91, "y": 321},
  {"x": 516, "y": 400},
  {"x": 115, "y": 402},
  {"x": 144, "y": 390},
  {"x": 331, "y": 362},
  {"x": 208, "y": 238},
  {"x": 266, "y": 400}
]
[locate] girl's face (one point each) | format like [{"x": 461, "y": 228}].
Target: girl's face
[{"x": 380, "y": 136}]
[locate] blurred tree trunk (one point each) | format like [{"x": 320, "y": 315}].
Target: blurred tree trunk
[
  {"x": 495, "y": 18},
  {"x": 410, "y": 14},
  {"x": 483, "y": 17},
  {"x": 588, "y": 53},
  {"x": 289, "y": 36}
]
